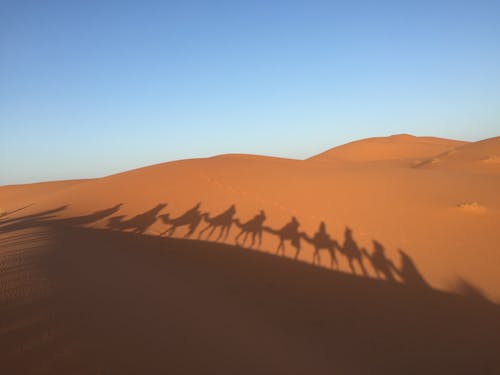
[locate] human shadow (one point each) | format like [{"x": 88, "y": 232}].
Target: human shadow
[
  {"x": 252, "y": 227},
  {"x": 139, "y": 223},
  {"x": 352, "y": 252},
  {"x": 224, "y": 221},
  {"x": 322, "y": 241},
  {"x": 382, "y": 266},
  {"x": 409, "y": 273},
  {"x": 289, "y": 232},
  {"x": 191, "y": 218}
]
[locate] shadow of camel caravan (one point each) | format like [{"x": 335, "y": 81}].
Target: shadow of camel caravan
[{"x": 250, "y": 234}]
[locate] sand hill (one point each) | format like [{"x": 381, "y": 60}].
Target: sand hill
[
  {"x": 482, "y": 156},
  {"x": 441, "y": 221},
  {"x": 395, "y": 147}
]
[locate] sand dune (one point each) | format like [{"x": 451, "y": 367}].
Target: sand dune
[
  {"x": 482, "y": 156},
  {"x": 439, "y": 223},
  {"x": 395, "y": 147}
]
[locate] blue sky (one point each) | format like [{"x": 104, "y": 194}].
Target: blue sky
[{"x": 90, "y": 88}]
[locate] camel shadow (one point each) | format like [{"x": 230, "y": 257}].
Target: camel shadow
[
  {"x": 137, "y": 224},
  {"x": 352, "y": 252},
  {"x": 252, "y": 228},
  {"x": 249, "y": 235},
  {"x": 191, "y": 219},
  {"x": 223, "y": 221},
  {"x": 289, "y": 232},
  {"x": 382, "y": 266},
  {"x": 90, "y": 218},
  {"x": 322, "y": 241}
]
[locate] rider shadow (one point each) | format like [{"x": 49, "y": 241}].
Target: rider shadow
[
  {"x": 139, "y": 223},
  {"x": 409, "y": 273},
  {"x": 289, "y": 232},
  {"x": 382, "y": 266},
  {"x": 352, "y": 252},
  {"x": 322, "y": 241},
  {"x": 223, "y": 221},
  {"x": 252, "y": 228},
  {"x": 191, "y": 218}
]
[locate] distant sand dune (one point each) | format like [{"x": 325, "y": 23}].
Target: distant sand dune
[
  {"x": 476, "y": 156},
  {"x": 402, "y": 146}
]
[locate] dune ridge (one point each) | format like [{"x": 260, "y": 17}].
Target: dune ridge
[
  {"x": 394, "y": 147},
  {"x": 477, "y": 156}
]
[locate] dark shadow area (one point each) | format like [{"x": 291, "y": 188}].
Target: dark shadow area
[{"x": 113, "y": 302}]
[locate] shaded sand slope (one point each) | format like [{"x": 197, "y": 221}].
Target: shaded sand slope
[
  {"x": 89, "y": 301},
  {"x": 401, "y": 146}
]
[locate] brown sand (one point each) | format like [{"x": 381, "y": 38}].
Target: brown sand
[{"x": 80, "y": 292}]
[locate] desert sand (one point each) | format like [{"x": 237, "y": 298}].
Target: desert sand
[{"x": 123, "y": 274}]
